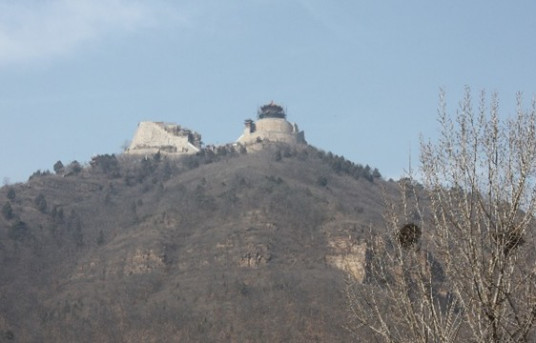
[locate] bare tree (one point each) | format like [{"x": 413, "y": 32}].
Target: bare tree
[{"x": 458, "y": 263}]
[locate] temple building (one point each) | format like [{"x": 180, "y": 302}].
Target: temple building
[
  {"x": 271, "y": 125},
  {"x": 172, "y": 139}
]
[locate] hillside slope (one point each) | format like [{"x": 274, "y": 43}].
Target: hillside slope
[{"x": 221, "y": 246}]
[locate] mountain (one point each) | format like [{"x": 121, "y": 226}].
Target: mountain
[{"x": 226, "y": 245}]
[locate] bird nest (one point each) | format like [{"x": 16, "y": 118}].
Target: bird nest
[
  {"x": 509, "y": 240},
  {"x": 409, "y": 235}
]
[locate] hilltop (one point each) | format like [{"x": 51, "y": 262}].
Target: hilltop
[{"x": 223, "y": 245}]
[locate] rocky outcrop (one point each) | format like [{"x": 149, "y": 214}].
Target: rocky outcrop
[
  {"x": 154, "y": 137},
  {"x": 143, "y": 261},
  {"x": 255, "y": 256},
  {"x": 349, "y": 256}
]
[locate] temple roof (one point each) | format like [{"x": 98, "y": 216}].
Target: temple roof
[{"x": 271, "y": 110}]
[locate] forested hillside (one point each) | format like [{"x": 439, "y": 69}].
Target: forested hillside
[{"x": 225, "y": 245}]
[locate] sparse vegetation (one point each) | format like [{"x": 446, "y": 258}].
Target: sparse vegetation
[
  {"x": 100, "y": 238},
  {"x": 57, "y": 214},
  {"x": 183, "y": 249},
  {"x": 39, "y": 173},
  {"x": 322, "y": 181},
  {"x": 18, "y": 231},
  {"x": 11, "y": 194},
  {"x": 7, "y": 335},
  {"x": 40, "y": 203},
  {"x": 74, "y": 168},
  {"x": 58, "y": 167},
  {"x": 107, "y": 164},
  {"x": 7, "y": 211}
]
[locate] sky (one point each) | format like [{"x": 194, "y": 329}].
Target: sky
[{"x": 361, "y": 78}]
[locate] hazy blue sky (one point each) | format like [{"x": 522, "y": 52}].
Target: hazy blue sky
[{"x": 360, "y": 77}]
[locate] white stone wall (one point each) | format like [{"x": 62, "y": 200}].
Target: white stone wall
[
  {"x": 275, "y": 130},
  {"x": 152, "y": 137}
]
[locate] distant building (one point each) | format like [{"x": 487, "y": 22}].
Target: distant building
[
  {"x": 271, "y": 125},
  {"x": 166, "y": 138}
]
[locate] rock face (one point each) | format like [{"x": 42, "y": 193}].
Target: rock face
[
  {"x": 348, "y": 256},
  {"x": 154, "y": 137}
]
